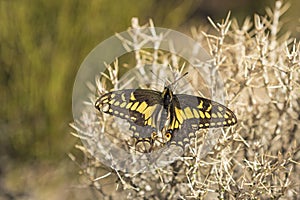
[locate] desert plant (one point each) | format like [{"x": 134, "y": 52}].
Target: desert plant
[{"x": 256, "y": 159}]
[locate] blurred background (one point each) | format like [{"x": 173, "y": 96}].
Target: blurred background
[{"x": 42, "y": 44}]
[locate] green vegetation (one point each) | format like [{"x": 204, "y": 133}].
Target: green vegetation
[{"x": 42, "y": 46}]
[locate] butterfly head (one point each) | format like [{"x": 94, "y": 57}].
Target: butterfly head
[{"x": 167, "y": 96}]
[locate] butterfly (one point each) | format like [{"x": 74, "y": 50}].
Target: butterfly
[{"x": 176, "y": 116}]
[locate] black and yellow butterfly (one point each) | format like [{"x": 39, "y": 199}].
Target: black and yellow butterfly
[{"x": 178, "y": 116}]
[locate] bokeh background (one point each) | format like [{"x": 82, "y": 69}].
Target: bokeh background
[{"x": 42, "y": 44}]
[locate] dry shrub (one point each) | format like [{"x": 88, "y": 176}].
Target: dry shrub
[{"x": 256, "y": 159}]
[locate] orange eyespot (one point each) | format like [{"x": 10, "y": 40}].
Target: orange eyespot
[{"x": 168, "y": 136}]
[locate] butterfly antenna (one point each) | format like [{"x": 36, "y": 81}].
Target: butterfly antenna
[
  {"x": 158, "y": 77},
  {"x": 186, "y": 73}
]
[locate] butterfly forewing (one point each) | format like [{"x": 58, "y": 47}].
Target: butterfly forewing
[
  {"x": 208, "y": 113},
  {"x": 140, "y": 107},
  {"x": 191, "y": 113}
]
